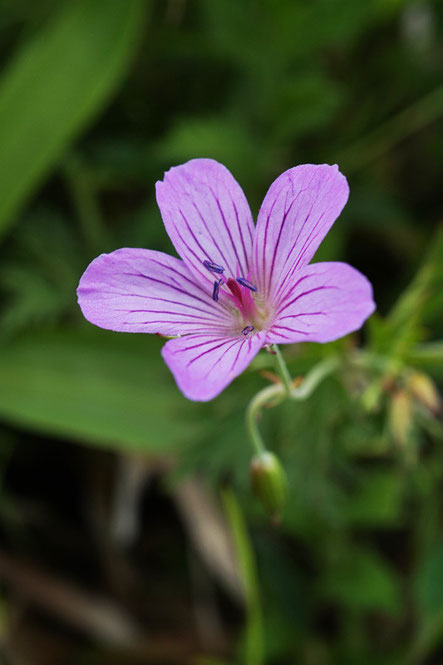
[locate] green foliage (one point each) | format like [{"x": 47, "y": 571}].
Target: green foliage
[
  {"x": 93, "y": 388},
  {"x": 377, "y": 500},
  {"x": 361, "y": 581},
  {"x": 429, "y": 582},
  {"x": 53, "y": 87},
  {"x": 39, "y": 271}
]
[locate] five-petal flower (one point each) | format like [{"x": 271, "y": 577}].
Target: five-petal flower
[{"x": 237, "y": 287}]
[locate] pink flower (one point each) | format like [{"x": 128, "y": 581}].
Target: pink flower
[{"x": 237, "y": 287}]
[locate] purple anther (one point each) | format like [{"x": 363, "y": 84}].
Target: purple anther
[
  {"x": 215, "y": 290},
  {"x": 247, "y": 330},
  {"x": 244, "y": 282},
  {"x": 213, "y": 267}
]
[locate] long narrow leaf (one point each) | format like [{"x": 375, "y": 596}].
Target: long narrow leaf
[
  {"x": 97, "y": 388},
  {"x": 54, "y": 86}
]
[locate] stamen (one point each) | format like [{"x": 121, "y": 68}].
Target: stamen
[
  {"x": 213, "y": 267},
  {"x": 247, "y": 330},
  {"x": 215, "y": 290},
  {"x": 244, "y": 282}
]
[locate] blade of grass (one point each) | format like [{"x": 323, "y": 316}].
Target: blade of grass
[
  {"x": 254, "y": 622},
  {"x": 375, "y": 144}
]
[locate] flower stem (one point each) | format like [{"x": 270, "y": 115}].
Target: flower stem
[
  {"x": 269, "y": 394},
  {"x": 276, "y": 393},
  {"x": 283, "y": 370},
  {"x": 84, "y": 199},
  {"x": 315, "y": 377}
]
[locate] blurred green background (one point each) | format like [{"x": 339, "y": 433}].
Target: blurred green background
[{"x": 118, "y": 497}]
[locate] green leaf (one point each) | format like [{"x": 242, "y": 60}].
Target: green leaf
[
  {"x": 94, "y": 387},
  {"x": 427, "y": 355},
  {"x": 54, "y": 86},
  {"x": 429, "y": 582},
  {"x": 38, "y": 271},
  {"x": 419, "y": 304},
  {"x": 362, "y": 581},
  {"x": 378, "y": 499}
]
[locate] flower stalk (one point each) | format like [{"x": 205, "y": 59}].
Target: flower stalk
[
  {"x": 283, "y": 371},
  {"x": 275, "y": 394},
  {"x": 272, "y": 395}
]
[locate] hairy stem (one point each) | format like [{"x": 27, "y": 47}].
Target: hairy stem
[
  {"x": 283, "y": 370},
  {"x": 275, "y": 394}
]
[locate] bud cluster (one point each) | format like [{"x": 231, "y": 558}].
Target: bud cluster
[{"x": 416, "y": 389}]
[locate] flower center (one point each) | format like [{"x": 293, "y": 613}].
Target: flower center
[{"x": 249, "y": 306}]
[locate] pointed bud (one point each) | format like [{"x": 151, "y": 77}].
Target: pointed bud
[
  {"x": 400, "y": 417},
  {"x": 424, "y": 390},
  {"x": 269, "y": 482}
]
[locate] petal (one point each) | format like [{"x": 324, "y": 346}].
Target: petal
[
  {"x": 297, "y": 212},
  {"x": 203, "y": 365},
  {"x": 139, "y": 290},
  {"x": 326, "y": 301},
  {"x": 207, "y": 217}
]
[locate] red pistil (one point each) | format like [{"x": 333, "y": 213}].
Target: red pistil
[
  {"x": 234, "y": 289},
  {"x": 242, "y": 298}
]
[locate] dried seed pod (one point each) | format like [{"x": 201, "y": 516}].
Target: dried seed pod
[{"x": 424, "y": 390}]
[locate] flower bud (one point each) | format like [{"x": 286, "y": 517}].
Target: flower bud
[
  {"x": 424, "y": 390},
  {"x": 269, "y": 482},
  {"x": 400, "y": 417}
]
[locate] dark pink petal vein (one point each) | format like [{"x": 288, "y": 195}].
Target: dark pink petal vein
[
  {"x": 236, "y": 287},
  {"x": 207, "y": 216},
  {"x": 139, "y": 290},
  {"x": 326, "y": 302},
  {"x": 203, "y": 365},
  {"x": 297, "y": 212}
]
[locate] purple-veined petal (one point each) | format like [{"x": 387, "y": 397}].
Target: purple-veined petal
[
  {"x": 207, "y": 217},
  {"x": 297, "y": 212},
  {"x": 326, "y": 301},
  {"x": 203, "y": 365},
  {"x": 140, "y": 290}
]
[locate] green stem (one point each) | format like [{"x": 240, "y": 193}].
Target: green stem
[
  {"x": 414, "y": 118},
  {"x": 283, "y": 370},
  {"x": 254, "y": 621},
  {"x": 265, "y": 396},
  {"x": 315, "y": 377},
  {"x": 275, "y": 394},
  {"x": 85, "y": 201}
]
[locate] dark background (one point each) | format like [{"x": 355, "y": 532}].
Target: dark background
[{"x": 118, "y": 497}]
